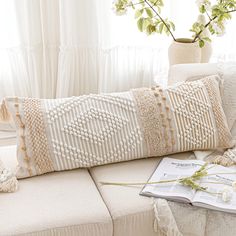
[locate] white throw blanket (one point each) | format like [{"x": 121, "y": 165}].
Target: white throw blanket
[
  {"x": 180, "y": 219},
  {"x": 164, "y": 220}
]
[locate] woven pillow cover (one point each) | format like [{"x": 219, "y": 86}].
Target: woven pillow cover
[
  {"x": 91, "y": 130},
  {"x": 227, "y": 71}
]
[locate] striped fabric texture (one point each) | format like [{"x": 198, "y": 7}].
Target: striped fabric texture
[{"x": 91, "y": 130}]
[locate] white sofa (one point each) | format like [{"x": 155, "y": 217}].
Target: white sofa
[{"x": 75, "y": 203}]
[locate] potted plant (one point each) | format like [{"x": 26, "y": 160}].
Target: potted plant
[{"x": 182, "y": 50}]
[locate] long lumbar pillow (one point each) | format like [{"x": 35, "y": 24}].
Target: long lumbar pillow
[{"x": 92, "y": 130}]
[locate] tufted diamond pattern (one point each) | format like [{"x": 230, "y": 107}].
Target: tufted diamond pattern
[
  {"x": 192, "y": 110},
  {"x": 109, "y": 125},
  {"x": 93, "y": 130}
]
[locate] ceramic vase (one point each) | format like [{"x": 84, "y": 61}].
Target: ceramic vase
[{"x": 183, "y": 51}]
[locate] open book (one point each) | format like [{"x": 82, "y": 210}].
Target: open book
[{"x": 169, "y": 169}]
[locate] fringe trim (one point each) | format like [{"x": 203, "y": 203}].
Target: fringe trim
[
  {"x": 227, "y": 159},
  {"x": 4, "y": 114}
]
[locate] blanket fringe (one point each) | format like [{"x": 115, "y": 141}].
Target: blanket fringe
[
  {"x": 4, "y": 114},
  {"x": 227, "y": 159}
]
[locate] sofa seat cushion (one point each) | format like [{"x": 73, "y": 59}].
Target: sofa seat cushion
[
  {"x": 133, "y": 215},
  {"x": 66, "y": 203}
]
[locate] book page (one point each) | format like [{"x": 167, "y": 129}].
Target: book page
[
  {"x": 214, "y": 198},
  {"x": 172, "y": 169}
]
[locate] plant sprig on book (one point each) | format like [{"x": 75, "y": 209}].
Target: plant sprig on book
[
  {"x": 150, "y": 19},
  {"x": 193, "y": 182}
]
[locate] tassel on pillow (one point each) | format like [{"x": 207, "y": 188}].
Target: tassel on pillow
[
  {"x": 8, "y": 181},
  {"x": 4, "y": 114}
]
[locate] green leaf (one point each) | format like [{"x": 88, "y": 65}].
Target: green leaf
[
  {"x": 201, "y": 43},
  {"x": 142, "y": 2},
  {"x": 161, "y": 3},
  {"x": 153, "y": 2},
  {"x": 172, "y": 25},
  {"x": 202, "y": 9},
  {"x": 138, "y": 13},
  {"x": 161, "y": 26},
  {"x": 149, "y": 12},
  {"x": 140, "y": 24},
  {"x": 166, "y": 29},
  {"x": 159, "y": 9},
  {"x": 132, "y": 5},
  {"x": 146, "y": 23},
  {"x": 156, "y": 2},
  {"x": 207, "y": 39},
  {"x": 150, "y": 29}
]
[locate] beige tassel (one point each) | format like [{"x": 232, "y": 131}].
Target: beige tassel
[{"x": 4, "y": 114}]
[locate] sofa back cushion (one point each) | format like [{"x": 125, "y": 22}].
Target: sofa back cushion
[
  {"x": 183, "y": 72},
  {"x": 93, "y": 130}
]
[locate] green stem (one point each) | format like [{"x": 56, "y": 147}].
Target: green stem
[
  {"x": 140, "y": 183},
  {"x": 222, "y": 173},
  {"x": 163, "y": 21},
  {"x": 211, "y": 167},
  {"x": 211, "y": 182},
  {"x": 234, "y": 10},
  {"x": 205, "y": 27},
  {"x": 211, "y": 192},
  {"x": 137, "y": 3}
]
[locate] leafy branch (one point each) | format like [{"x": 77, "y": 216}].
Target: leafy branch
[
  {"x": 148, "y": 15},
  {"x": 209, "y": 23},
  {"x": 197, "y": 36},
  {"x": 163, "y": 21}
]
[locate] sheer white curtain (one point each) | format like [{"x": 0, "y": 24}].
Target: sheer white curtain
[
  {"x": 29, "y": 52},
  {"x": 101, "y": 52},
  {"x": 58, "y": 48}
]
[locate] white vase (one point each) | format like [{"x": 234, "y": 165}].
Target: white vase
[
  {"x": 184, "y": 51},
  {"x": 206, "y": 52}
]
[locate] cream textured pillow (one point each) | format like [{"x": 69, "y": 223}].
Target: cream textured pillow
[
  {"x": 92, "y": 130},
  {"x": 190, "y": 72},
  {"x": 227, "y": 71}
]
